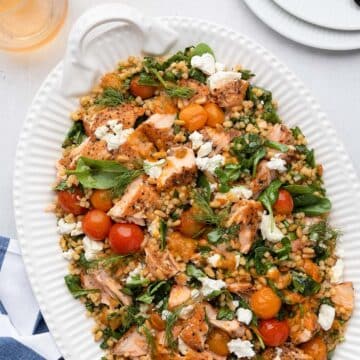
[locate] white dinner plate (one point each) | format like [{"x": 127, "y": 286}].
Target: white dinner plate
[
  {"x": 301, "y": 31},
  {"x": 333, "y": 14},
  {"x": 48, "y": 121}
]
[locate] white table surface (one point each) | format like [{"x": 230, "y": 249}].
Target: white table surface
[{"x": 333, "y": 77}]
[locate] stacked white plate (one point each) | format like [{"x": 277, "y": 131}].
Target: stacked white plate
[{"x": 324, "y": 24}]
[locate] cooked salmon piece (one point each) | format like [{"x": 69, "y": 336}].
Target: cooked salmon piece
[
  {"x": 263, "y": 178},
  {"x": 247, "y": 214},
  {"x": 162, "y": 104},
  {"x": 288, "y": 352},
  {"x": 205, "y": 355},
  {"x": 158, "y": 128},
  {"x": 201, "y": 91},
  {"x": 138, "y": 199},
  {"x": 231, "y": 93},
  {"x": 132, "y": 345},
  {"x": 221, "y": 139},
  {"x": 232, "y": 327},
  {"x": 344, "y": 296},
  {"x": 180, "y": 168},
  {"x": 195, "y": 330},
  {"x": 179, "y": 294},
  {"x": 109, "y": 287},
  {"x": 280, "y": 133},
  {"x": 125, "y": 114},
  {"x": 240, "y": 287}
]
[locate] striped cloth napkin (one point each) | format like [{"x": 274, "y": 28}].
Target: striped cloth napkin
[{"x": 23, "y": 332}]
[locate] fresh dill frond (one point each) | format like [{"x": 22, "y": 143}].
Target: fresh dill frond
[
  {"x": 110, "y": 97},
  {"x": 123, "y": 180},
  {"x": 182, "y": 92},
  {"x": 150, "y": 340},
  {"x": 322, "y": 231},
  {"x": 170, "y": 323}
]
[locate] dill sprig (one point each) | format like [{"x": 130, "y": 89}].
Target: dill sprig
[
  {"x": 150, "y": 340},
  {"x": 170, "y": 323},
  {"x": 124, "y": 180},
  {"x": 110, "y": 97}
]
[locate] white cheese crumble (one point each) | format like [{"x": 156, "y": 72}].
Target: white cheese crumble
[
  {"x": 186, "y": 311},
  {"x": 244, "y": 315},
  {"x": 241, "y": 191},
  {"x": 337, "y": 272},
  {"x": 196, "y": 139},
  {"x": 276, "y": 163},
  {"x": 220, "y": 66},
  {"x": 77, "y": 229},
  {"x": 113, "y": 134},
  {"x": 278, "y": 353},
  {"x": 221, "y": 78},
  {"x": 65, "y": 228},
  {"x": 213, "y": 187},
  {"x": 204, "y": 62},
  {"x": 153, "y": 168},
  {"x": 213, "y": 260},
  {"x": 235, "y": 304},
  {"x": 183, "y": 348},
  {"x": 205, "y": 149},
  {"x": 241, "y": 348},
  {"x": 91, "y": 248},
  {"x": 165, "y": 314},
  {"x": 210, "y": 164},
  {"x": 210, "y": 285},
  {"x": 326, "y": 316},
  {"x": 134, "y": 273},
  {"x": 269, "y": 230},
  {"x": 68, "y": 254}
]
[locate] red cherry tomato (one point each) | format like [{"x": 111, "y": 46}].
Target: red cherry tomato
[
  {"x": 125, "y": 238},
  {"x": 274, "y": 332},
  {"x": 70, "y": 201},
  {"x": 96, "y": 224},
  {"x": 284, "y": 204},
  {"x": 143, "y": 91}
]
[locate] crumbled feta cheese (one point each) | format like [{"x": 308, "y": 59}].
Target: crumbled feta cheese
[
  {"x": 337, "y": 272},
  {"x": 269, "y": 230},
  {"x": 204, "y": 62},
  {"x": 241, "y": 192},
  {"x": 153, "y": 168},
  {"x": 77, "y": 229},
  {"x": 101, "y": 131},
  {"x": 68, "y": 254},
  {"x": 221, "y": 78},
  {"x": 183, "y": 348},
  {"x": 134, "y": 273},
  {"x": 196, "y": 140},
  {"x": 209, "y": 164},
  {"x": 165, "y": 314},
  {"x": 326, "y": 316},
  {"x": 205, "y": 149},
  {"x": 186, "y": 311},
  {"x": 91, "y": 248},
  {"x": 241, "y": 348},
  {"x": 244, "y": 315},
  {"x": 195, "y": 294},
  {"x": 210, "y": 285},
  {"x": 65, "y": 228},
  {"x": 235, "y": 304},
  {"x": 278, "y": 353},
  {"x": 214, "y": 260},
  {"x": 213, "y": 187},
  {"x": 220, "y": 66},
  {"x": 276, "y": 163}
]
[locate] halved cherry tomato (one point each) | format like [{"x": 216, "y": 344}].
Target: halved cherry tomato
[
  {"x": 284, "y": 204},
  {"x": 194, "y": 116},
  {"x": 125, "y": 238},
  {"x": 188, "y": 225},
  {"x": 143, "y": 91},
  {"x": 101, "y": 200},
  {"x": 274, "y": 332},
  {"x": 217, "y": 341},
  {"x": 96, "y": 224},
  {"x": 265, "y": 303},
  {"x": 70, "y": 201},
  {"x": 316, "y": 348},
  {"x": 215, "y": 114},
  {"x": 157, "y": 322}
]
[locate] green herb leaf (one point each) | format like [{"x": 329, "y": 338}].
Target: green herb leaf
[
  {"x": 296, "y": 132},
  {"x": 74, "y": 285},
  {"x": 194, "y": 272},
  {"x": 246, "y": 74},
  {"x": 62, "y": 186},
  {"x": 150, "y": 339},
  {"x": 171, "y": 320},
  {"x": 259, "y": 252},
  {"x": 197, "y": 75},
  {"x": 201, "y": 49},
  {"x": 227, "y": 175},
  {"x": 148, "y": 79},
  {"x": 284, "y": 252},
  {"x": 309, "y": 154},
  {"x": 76, "y": 134},
  {"x": 304, "y": 284},
  {"x": 269, "y": 196},
  {"x": 277, "y": 146},
  {"x": 155, "y": 292},
  {"x": 163, "y": 232},
  {"x": 203, "y": 183},
  {"x": 225, "y": 314},
  {"x": 182, "y": 92},
  {"x": 256, "y": 159},
  {"x": 110, "y": 97}
]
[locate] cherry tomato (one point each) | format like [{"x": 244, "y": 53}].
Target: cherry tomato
[
  {"x": 101, "y": 200},
  {"x": 265, "y": 303},
  {"x": 70, "y": 201},
  {"x": 312, "y": 270},
  {"x": 284, "y": 204},
  {"x": 316, "y": 348},
  {"x": 194, "y": 117},
  {"x": 188, "y": 225},
  {"x": 217, "y": 341},
  {"x": 96, "y": 224},
  {"x": 143, "y": 91},
  {"x": 125, "y": 238},
  {"x": 274, "y": 332},
  {"x": 215, "y": 114}
]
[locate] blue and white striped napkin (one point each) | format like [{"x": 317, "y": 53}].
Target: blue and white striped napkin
[{"x": 23, "y": 332}]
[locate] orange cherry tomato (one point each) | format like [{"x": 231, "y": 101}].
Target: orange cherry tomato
[
  {"x": 265, "y": 303},
  {"x": 217, "y": 342},
  {"x": 215, "y": 114},
  {"x": 101, "y": 200},
  {"x": 188, "y": 225},
  {"x": 69, "y": 201},
  {"x": 157, "y": 322},
  {"x": 125, "y": 238},
  {"x": 284, "y": 204},
  {"x": 312, "y": 270},
  {"x": 316, "y": 348},
  {"x": 194, "y": 116},
  {"x": 274, "y": 332},
  {"x": 143, "y": 91},
  {"x": 96, "y": 224}
]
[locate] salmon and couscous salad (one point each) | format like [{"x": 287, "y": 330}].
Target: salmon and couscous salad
[{"x": 194, "y": 221}]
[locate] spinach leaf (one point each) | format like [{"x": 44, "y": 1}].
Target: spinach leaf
[
  {"x": 197, "y": 75},
  {"x": 228, "y": 174},
  {"x": 110, "y": 97},
  {"x": 309, "y": 154},
  {"x": 304, "y": 284},
  {"x": 322, "y": 206},
  {"x": 73, "y": 283},
  {"x": 163, "y": 232},
  {"x": 194, "y": 272},
  {"x": 284, "y": 252},
  {"x": 296, "y": 132},
  {"x": 256, "y": 159},
  {"x": 76, "y": 134},
  {"x": 201, "y": 49},
  {"x": 277, "y": 146},
  {"x": 246, "y": 74},
  {"x": 155, "y": 292},
  {"x": 222, "y": 234},
  {"x": 225, "y": 314},
  {"x": 259, "y": 252},
  {"x": 269, "y": 196},
  {"x": 299, "y": 189},
  {"x": 63, "y": 186}
]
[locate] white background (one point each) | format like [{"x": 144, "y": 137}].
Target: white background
[{"x": 333, "y": 77}]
